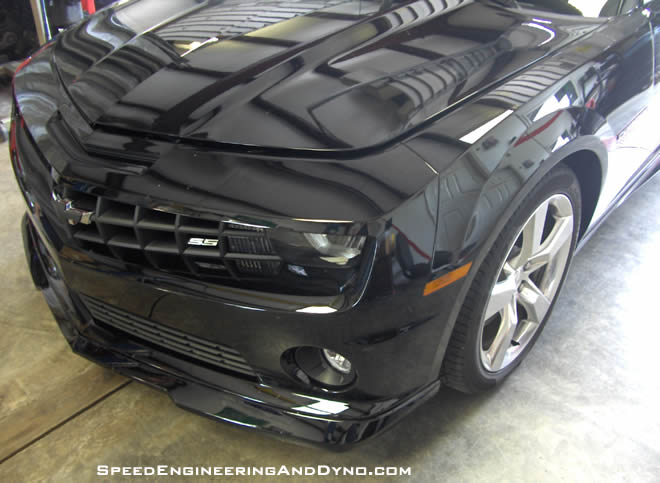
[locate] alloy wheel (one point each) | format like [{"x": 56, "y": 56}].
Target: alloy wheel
[{"x": 527, "y": 283}]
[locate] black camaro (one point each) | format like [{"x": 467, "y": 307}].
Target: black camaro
[{"x": 305, "y": 216}]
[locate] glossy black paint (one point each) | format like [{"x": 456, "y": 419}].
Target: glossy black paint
[
  {"x": 283, "y": 85},
  {"x": 421, "y": 124}
]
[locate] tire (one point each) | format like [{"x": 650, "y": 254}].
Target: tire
[{"x": 512, "y": 295}]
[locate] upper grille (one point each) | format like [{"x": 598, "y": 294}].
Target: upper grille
[
  {"x": 219, "y": 355},
  {"x": 171, "y": 242}
]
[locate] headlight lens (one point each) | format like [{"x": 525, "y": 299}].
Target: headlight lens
[
  {"x": 313, "y": 249},
  {"x": 336, "y": 248}
]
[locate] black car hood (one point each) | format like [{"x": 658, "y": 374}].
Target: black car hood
[{"x": 311, "y": 74}]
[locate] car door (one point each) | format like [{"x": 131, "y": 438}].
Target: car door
[
  {"x": 652, "y": 10},
  {"x": 651, "y": 133},
  {"x": 627, "y": 73}
]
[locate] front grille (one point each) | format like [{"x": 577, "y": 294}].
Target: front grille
[
  {"x": 218, "y": 355},
  {"x": 193, "y": 246}
]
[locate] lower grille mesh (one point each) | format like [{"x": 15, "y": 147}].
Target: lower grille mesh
[{"x": 174, "y": 340}]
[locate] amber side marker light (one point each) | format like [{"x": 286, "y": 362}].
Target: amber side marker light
[{"x": 446, "y": 279}]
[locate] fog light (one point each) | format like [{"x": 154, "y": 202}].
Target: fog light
[
  {"x": 337, "y": 361},
  {"x": 319, "y": 367}
]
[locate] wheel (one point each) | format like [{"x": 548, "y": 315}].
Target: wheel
[{"x": 514, "y": 290}]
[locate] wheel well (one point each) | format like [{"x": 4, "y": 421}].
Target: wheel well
[{"x": 587, "y": 168}]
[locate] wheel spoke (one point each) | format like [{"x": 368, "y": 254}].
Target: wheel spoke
[
  {"x": 532, "y": 235},
  {"x": 508, "y": 270},
  {"x": 557, "y": 239},
  {"x": 524, "y": 332},
  {"x": 502, "y": 342},
  {"x": 502, "y": 295},
  {"x": 535, "y": 302}
]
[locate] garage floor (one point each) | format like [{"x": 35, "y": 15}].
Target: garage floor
[{"x": 584, "y": 406}]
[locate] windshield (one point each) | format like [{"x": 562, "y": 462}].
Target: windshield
[{"x": 585, "y": 8}]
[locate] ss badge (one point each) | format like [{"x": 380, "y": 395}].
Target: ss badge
[{"x": 203, "y": 242}]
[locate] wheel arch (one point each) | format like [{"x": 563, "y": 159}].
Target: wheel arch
[
  {"x": 586, "y": 156},
  {"x": 587, "y": 167}
]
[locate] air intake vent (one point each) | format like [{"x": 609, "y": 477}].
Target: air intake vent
[
  {"x": 252, "y": 245},
  {"x": 145, "y": 330},
  {"x": 257, "y": 266}
]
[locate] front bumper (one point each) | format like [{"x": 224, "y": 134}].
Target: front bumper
[{"x": 279, "y": 411}]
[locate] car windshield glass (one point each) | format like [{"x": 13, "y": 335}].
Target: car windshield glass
[{"x": 586, "y": 8}]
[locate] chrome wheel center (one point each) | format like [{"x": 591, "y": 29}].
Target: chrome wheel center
[{"x": 527, "y": 283}]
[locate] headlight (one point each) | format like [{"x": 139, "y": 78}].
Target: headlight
[
  {"x": 327, "y": 262},
  {"x": 336, "y": 248},
  {"x": 313, "y": 249}
]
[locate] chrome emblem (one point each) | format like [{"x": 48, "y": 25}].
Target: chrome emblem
[
  {"x": 73, "y": 214},
  {"x": 203, "y": 242}
]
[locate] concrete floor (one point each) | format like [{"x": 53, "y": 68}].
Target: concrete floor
[
  {"x": 5, "y": 101},
  {"x": 583, "y": 406}
]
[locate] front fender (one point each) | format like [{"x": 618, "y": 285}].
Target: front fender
[{"x": 482, "y": 185}]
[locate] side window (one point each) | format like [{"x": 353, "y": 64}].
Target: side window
[
  {"x": 609, "y": 9},
  {"x": 629, "y": 5}
]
